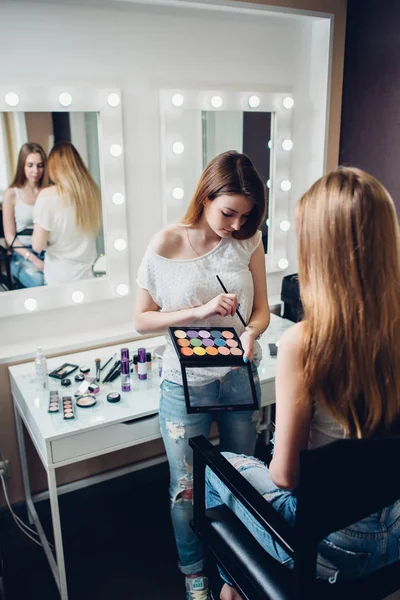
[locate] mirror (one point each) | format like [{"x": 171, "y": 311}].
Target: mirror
[
  {"x": 91, "y": 119},
  {"x": 196, "y": 125},
  {"x": 246, "y": 132},
  {"x": 65, "y": 244}
]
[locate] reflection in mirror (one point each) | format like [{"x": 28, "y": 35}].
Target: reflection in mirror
[
  {"x": 246, "y": 132},
  {"x": 62, "y": 195}
]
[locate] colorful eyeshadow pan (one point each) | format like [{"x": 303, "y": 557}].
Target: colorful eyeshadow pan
[{"x": 195, "y": 344}]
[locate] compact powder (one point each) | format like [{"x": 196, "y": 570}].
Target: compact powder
[
  {"x": 86, "y": 401},
  {"x": 113, "y": 397},
  {"x": 79, "y": 377}
]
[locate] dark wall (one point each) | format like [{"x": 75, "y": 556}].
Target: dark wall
[{"x": 370, "y": 129}]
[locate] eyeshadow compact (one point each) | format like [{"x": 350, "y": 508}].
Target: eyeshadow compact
[
  {"x": 198, "y": 347},
  {"x": 84, "y": 369},
  {"x": 66, "y": 382},
  {"x": 113, "y": 397},
  {"x": 86, "y": 401},
  {"x": 80, "y": 377},
  {"x": 54, "y": 402},
  {"x": 68, "y": 408},
  {"x": 63, "y": 371}
]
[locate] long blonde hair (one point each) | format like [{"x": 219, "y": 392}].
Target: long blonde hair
[
  {"x": 72, "y": 179},
  {"x": 230, "y": 173},
  {"x": 349, "y": 273}
]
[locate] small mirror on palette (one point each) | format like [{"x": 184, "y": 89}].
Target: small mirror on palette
[{"x": 231, "y": 385}]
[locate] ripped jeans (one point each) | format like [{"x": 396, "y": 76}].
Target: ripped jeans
[
  {"x": 237, "y": 432},
  {"x": 346, "y": 554}
]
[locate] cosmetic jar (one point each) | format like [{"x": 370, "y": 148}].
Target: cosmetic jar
[
  {"x": 86, "y": 401},
  {"x": 84, "y": 369},
  {"x": 113, "y": 397},
  {"x": 80, "y": 377},
  {"x": 66, "y": 382}
]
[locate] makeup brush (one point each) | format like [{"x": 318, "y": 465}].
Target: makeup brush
[
  {"x": 237, "y": 310},
  {"x": 97, "y": 362}
]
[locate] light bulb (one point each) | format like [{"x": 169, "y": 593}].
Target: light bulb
[
  {"x": 122, "y": 289},
  {"x": 216, "y": 101},
  {"x": 269, "y": 144},
  {"x": 285, "y": 185},
  {"x": 284, "y": 225},
  {"x": 287, "y": 144},
  {"x": 254, "y": 101},
  {"x": 283, "y": 263},
  {"x": 113, "y": 99},
  {"x": 78, "y": 296},
  {"x": 115, "y": 150},
  {"x": 30, "y": 304},
  {"x": 288, "y": 102},
  {"x": 118, "y": 198},
  {"x": 65, "y": 99},
  {"x": 177, "y": 99},
  {"x": 178, "y": 147},
  {"x": 268, "y": 183},
  {"x": 12, "y": 98},
  {"x": 120, "y": 244},
  {"x": 178, "y": 193}
]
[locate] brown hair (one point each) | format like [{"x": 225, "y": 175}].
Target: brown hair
[
  {"x": 28, "y": 148},
  {"x": 230, "y": 173},
  {"x": 72, "y": 180},
  {"x": 349, "y": 272}
]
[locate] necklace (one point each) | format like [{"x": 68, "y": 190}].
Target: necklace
[{"x": 190, "y": 243}]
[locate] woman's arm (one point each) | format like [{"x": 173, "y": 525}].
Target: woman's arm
[
  {"x": 260, "y": 315},
  {"x": 10, "y": 230},
  {"x": 293, "y": 414},
  {"x": 40, "y": 238}
]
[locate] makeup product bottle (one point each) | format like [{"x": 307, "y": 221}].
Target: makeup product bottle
[
  {"x": 124, "y": 353},
  {"x": 148, "y": 361},
  {"x": 125, "y": 375},
  {"x": 142, "y": 365},
  {"x": 42, "y": 382},
  {"x": 135, "y": 363}
]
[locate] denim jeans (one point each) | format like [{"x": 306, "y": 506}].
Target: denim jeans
[
  {"x": 26, "y": 273},
  {"x": 346, "y": 554},
  {"x": 237, "y": 432}
]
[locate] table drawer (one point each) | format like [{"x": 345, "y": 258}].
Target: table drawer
[{"x": 106, "y": 438}]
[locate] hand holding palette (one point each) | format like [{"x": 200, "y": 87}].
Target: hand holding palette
[{"x": 211, "y": 347}]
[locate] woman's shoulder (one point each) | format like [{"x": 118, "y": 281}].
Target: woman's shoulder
[
  {"x": 10, "y": 195},
  {"x": 168, "y": 241},
  {"x": 292, "y": 340},
  {"x": 48, "y": 192}
]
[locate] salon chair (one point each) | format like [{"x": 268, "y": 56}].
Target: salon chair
[{"x": 339, "y": 484}]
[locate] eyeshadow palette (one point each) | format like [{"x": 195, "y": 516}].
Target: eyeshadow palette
[
  {"x": 54, "y": 402},
  {"x": 68, "y": 408},
  {"x": 207, "y": 346},
  {"x": 198, "y": 347},
  {"x": 63, "y": 371}
]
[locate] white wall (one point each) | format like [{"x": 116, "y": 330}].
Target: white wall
[{"x": 141, "y": 49}]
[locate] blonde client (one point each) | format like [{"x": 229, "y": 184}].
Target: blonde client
[{"x": 338, "y": 371}]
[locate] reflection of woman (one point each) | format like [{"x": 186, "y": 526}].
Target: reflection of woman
[
  {"x": 338, "y": 371},
  {"x": 18, "y": 205},
  {"x": 67, "y": 217},
  {"x": 178, "y": 286}
]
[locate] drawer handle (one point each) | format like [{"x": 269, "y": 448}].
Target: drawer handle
[{"x": 138, "y": 420}]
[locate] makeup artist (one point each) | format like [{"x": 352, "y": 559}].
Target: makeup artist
[
  {"x": 67, "y": 217},
  {"x": 178, "y": 285}
]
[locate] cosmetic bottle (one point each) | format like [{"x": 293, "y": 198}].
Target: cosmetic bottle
[
  {"x": 148, "y": 362},
  {"x": 124, "y": 353},
  {"x": 142, "y": 365},
  {"x": 42, "y": 382},
  {"x": 135, "y": 363},
  {"x": 125, "y": 375}
]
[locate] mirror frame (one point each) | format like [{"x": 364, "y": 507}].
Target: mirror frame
[
  {"x": 172, "y": 130},
  {"x": 107, "y": 103}
]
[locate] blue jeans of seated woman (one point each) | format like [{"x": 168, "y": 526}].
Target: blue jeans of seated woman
[
  {"x": 26, "y": 273},
  {"x": 237, "y": 432},
  {"x": 346, "y": 554}
]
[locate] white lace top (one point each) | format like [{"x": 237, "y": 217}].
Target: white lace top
[{"x": 179, "y": 284}]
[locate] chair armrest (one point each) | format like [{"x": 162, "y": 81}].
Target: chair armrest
[{"x": 206, "y": 455}]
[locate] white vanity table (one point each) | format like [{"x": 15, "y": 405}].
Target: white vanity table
[{"x": 101, "y": 429}]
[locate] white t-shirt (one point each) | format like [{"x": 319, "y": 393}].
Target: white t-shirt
[
  {"x": 179, "y": 284},
  {"x": 70, "y": 254}
]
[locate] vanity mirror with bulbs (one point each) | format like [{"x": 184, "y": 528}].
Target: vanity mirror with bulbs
[
  {"x": 91, "y": 120},
  {"x": 196, "y": 125}
]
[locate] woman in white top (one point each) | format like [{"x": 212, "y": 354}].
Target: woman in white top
[
  {"x": 219, "y": 235},
  {"x": 67, "y": 217},
  {"x": 18, "y": 206}
]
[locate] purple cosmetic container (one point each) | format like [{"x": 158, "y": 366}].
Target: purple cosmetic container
[
  {"x": 124, "y": 353},
  {"x": 142, "y": 364},
  {"x": 125, "y": 375}
]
